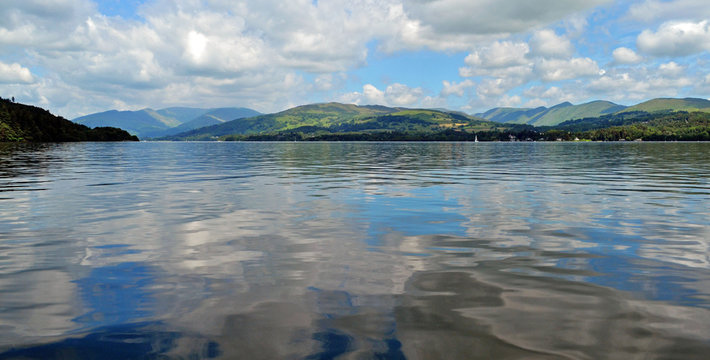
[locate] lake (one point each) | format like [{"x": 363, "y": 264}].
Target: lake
[{"x": 355, "y": 250}]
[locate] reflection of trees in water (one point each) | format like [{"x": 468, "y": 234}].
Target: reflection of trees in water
[{"x": 19, "y": 160}]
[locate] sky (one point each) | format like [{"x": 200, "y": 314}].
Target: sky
[{"x": 76, "y": 57}]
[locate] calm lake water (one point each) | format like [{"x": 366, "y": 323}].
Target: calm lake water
[{"x": 355, "y": 250}]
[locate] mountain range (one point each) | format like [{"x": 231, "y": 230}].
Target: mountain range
[
  {"x": 658, "y": 119},
  {"x": 555, "y": 115},
  {"x": 149, "y": 123},
  {"x": 343, "y": 118},
  {"x": 181, "y": 123}
]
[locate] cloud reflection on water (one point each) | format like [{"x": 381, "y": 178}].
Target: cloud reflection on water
[{"x": 418, "y": 250}]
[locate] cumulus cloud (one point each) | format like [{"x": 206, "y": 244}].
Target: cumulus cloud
[
  {"x": 671, "y": 69},
  {"x": 373, "y": 95},
  {"x": 327, "y": 82},
  {"x": 509, "y": 101},
  {"x": 394, "y": 95},
  {"x": 500, "y": 59},
  {"x": 270, "y": 54},
  {"x": 643, "y": 83},
  {"x": 498, "y": 55},
  {"x": 546, "y": 43},
  {"x": 493, "y": 88},
  {"x": 402, "y": 95},
  {"x": 454, "y": 88},
  {"x": 15, "y": 74},
  {"x": 623, "y": 55},
  {"x": 557, "y": 69},
  {"x": 492, "y": 16},
  {"x": 676, "y": 39},
  {"x": 650, "y": 10},
  {"x": 47, "y": 23}
]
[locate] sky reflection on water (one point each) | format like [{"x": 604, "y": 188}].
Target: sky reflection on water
[{"x": 374, "y": 250}]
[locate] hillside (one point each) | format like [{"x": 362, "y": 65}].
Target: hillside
[
  {"x": 19, "y": 122},
  {"x": 669, "y": 126},
  {"x": 340, "y": 118},
  {"x": 543, "y": 116},
  {"x": 512, "y": 115},
  {"x": 148, "y": 123},
  {"x": 558, "y": 114},
  {"x": 669, "y": 104}
]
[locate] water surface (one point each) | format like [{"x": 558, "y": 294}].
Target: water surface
[{"x": 355, "y": 250}]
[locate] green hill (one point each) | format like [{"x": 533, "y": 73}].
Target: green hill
[
  {"x": 661, "y": 126},
  {"x": 557, "y": 115},
  {"x": 341, "y": 118},
  {"x": 669, "y": 104},
  {"x": 512, "y": 115},
  {"x": 19, "y": 122}
]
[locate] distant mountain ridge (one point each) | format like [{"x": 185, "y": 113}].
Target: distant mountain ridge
[
  {"x": 198, "y": 123},
  {"x": 555, "y": 115},
  {"x": 149, "y": 123},
  {"x": 544, "y": 116}
]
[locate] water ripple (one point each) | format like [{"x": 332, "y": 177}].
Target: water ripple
[{"x": 372, "y": 250}]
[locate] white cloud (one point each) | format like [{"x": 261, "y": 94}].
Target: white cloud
[
  {"x": 402, "y": 95},
  {"x": 623, "y": 55},
  {"x": 269, "y": 54},
  {"x": 461, "y": 24},
  {"x": 676, "y": 39},
  {"x": 547, "y": 44},
  {"x": 394, "y": 95},
  {"x": 492, "y": 16},
  {"x": 492, "y": 88},
  {"x": 498, "y": 55},
  {"x": 48, "y": 23},
  {"x": 373, "y": 95},
  {"x": 650, "y": 10},
  {"x": 15, "y": 74},
  {"x": 557, "y": 70},
  {"x": 671, "y": 69},
  {"x": 509, "y": 101},
  {"x": 328, "y": 82},
  {"x": 552, "y": 92},
  {"x": 666, "y": 80},
  {"x": 500, "y": 59},
  {"x": 454, "y": 88}
]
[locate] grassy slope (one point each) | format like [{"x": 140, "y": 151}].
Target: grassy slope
[
  {"x": 678, "y": 125},
  {"x": 561, "y": 114},
  {"x": 557, "y": 114},
  {"x": 512, "y": 115},
  {"x": 668, "y": 104}
]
